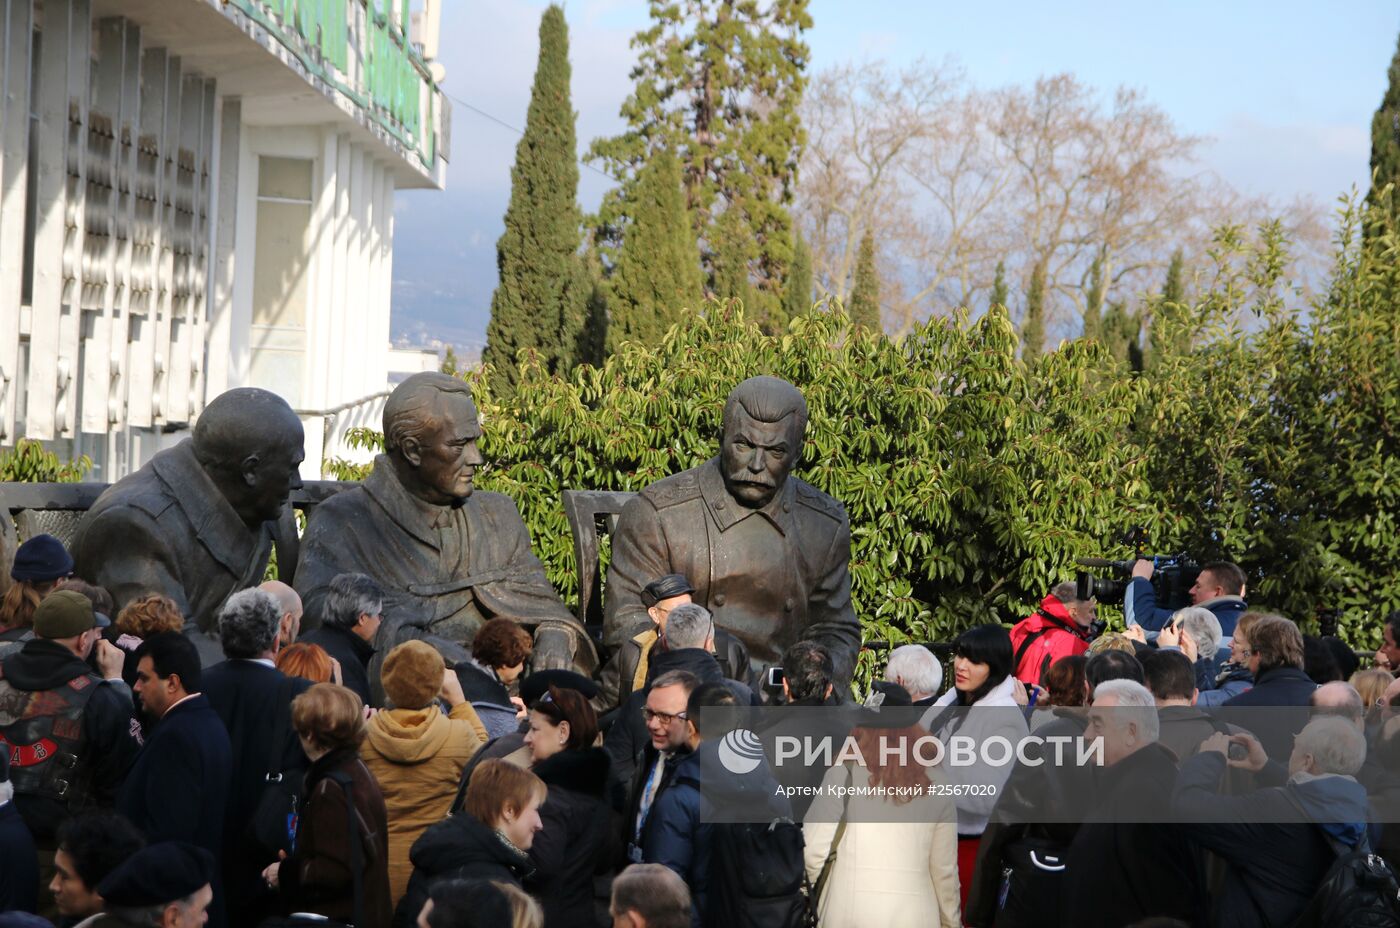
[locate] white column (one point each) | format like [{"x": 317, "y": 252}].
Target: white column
[
  {"x": 16, "y": 33},
  {"x": 224, "y": 208}
]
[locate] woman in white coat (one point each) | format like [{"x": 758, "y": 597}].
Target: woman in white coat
[
  {"x": 891, "y": 859},
  {"x": 981, "y": 706}
]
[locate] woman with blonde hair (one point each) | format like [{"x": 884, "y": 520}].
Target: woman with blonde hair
[
  {"x": 1372, "y": 683},
  {"x": 338, "y": 867}
]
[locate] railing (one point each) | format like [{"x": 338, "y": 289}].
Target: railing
[{"x": 361, "y": 48}]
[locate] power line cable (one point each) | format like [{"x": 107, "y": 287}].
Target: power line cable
[{"x": 505, "y": 125}]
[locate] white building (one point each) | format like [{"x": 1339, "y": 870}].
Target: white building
[{"x": 197, "y": 195}]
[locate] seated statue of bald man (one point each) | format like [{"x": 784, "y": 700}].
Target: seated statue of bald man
[
  {"x": 449, "y": 557},
  {"x": 767, "y": 553},
  {"x": 196, "y": 523}
]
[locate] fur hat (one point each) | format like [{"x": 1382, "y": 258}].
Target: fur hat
[{"x": 412, "y": 675}]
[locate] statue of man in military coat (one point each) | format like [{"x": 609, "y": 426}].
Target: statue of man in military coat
[{"x": 767, "y": 553}]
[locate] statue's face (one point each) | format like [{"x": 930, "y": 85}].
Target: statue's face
[
  {"x": 278, "y": 474},
  {"x": 756, "y": 458},
  {"x": 448, "y": 455}
]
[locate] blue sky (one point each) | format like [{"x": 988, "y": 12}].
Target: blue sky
[{"x": 1285, "y": 91}]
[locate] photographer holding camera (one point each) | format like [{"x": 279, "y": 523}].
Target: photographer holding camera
[{"x": 1220, "y": 587}]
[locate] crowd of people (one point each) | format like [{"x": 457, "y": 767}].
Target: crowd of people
[{"x": 277, "y": 788}]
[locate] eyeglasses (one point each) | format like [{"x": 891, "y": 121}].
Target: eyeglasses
[{"x": 666, "y": 718}]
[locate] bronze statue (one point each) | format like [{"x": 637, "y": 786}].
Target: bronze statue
[
  {"x": 196, "y": 523},
  {"x": 449, "y": 558},
  {"x": 766, "y": 552}
]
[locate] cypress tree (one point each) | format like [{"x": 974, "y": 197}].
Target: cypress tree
[
  {"x": 999, "y": 292},
  {"x": 1093, "y": 301},
  {"x": 733, "y": 247},
  {"x": 864, "y": 305},
  {"x": 1385, "y": 134},
  {"x": 1166, "y": 332},
  {"x": 1033, "y": 325},
  {"x": 540, "y": 301},
  {"x": 449, "y": 364},
  {"x": 1122, "y": 333},
  {"x": 797, "y": 297},
  {"x": 657, "y": 275}
]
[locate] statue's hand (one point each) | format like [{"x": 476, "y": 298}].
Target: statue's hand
[{"x": 554, "y": 650}]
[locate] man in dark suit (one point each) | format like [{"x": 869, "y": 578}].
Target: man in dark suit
[
  {"x": 254, "y": 700},
  {"x": 179, "y": 786},
  {"x": 351, "y": 615}
]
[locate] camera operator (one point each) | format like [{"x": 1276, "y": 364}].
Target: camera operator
[{"x": 1220, "y": 587}]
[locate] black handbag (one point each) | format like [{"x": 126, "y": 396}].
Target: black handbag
[
  {"x": 357, "y": 864},
  {"x": 1032, "y": 877},
  {"x": 274, "y": 821}
]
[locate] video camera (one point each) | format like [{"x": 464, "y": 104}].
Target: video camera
[{"x": 1173, "y": 576}]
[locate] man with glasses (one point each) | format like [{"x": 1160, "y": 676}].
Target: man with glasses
[
  {"x": 687, "y": 643},
  {"x": 630, "y": 665},
  {"x": 665, "y": 718}
]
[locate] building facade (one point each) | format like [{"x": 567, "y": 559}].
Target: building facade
[{"x": 197, "y": 195}]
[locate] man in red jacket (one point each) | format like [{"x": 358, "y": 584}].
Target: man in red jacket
[{"x": 1059, "y": 629}]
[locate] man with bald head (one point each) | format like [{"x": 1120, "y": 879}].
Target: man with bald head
[
  {"x": 289, "y": 608},
  {"x": 766, "y": 552},
  {"x": 196, "y": 523},
  {"x": 448, "y": 556}
]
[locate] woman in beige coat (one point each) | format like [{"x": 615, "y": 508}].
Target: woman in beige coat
[
  {"x": 415, "y": 752},
  {"x": 889, "y": 860}
]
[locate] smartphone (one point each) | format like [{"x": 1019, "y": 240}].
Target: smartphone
[{"x": 775, "y": 677}]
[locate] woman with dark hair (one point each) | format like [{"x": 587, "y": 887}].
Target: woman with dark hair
[
  {"x": 499, "y": 652},
  {"x": 980, "y": 706},
  {"x": 576, "y": 841}
]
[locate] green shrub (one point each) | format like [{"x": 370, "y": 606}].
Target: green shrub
[
  {"x": 29, "y": 462},
  {"x": 1270, "y": 436}
]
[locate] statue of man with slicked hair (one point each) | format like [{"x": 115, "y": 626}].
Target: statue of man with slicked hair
[
  {"x": 196, "y": 523},
  {"x": 449, "y": 556},
  {"x": 767, "y": 553}
]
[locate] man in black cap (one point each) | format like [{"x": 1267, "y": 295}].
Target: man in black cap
[
  {"x": 627, "y": 671},
  {"x": 19, "y": 877},
  {"x": 68, "y": 731},
  {"x": 165, "y": 885}
]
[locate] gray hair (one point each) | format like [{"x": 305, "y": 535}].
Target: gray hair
[
  {"x": 1066, "y": 592},
  {"x": 248, "y": 624},
  {"x": 914, "y": 667},
  {"x": 349, "y": 597},
  {"x": 1203, "y": 627},
  {"x": 688, "y": 626},
  {"x": 1336, "y": 745},
  {"x": 409, "y": 411},
  {"x": 653, "y": 891},
  {"x": 1133, "y": 703},
  {"x": 150, "y": 915}
]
